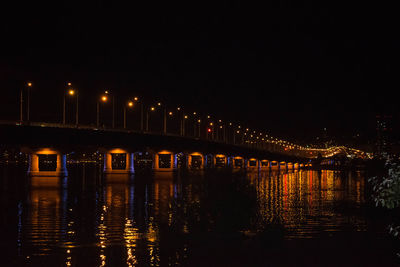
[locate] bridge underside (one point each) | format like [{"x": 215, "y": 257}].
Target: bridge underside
[{"x": 83, "y": 139}]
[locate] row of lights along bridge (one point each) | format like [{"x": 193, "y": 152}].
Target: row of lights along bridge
[{"x": 216, "y": 130}]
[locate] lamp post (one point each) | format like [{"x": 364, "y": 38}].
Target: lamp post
[
  {"x": 71, "y": 92},
  {"x": 208, "y": 127},
  {"x": 136, "y": 99},
  {"x": 194, "y": 124},
  {"x": 130, "y": 105},
  {"x": 147, "y": 117},
  {"x": 223, "y": 133},
  {"x": 185, "y": 117},
  {"x": 103, "y": 98},
  {"x": 113, "y": 108},
  {"x": 170, "y": 115},
  {"x": 21, "y": 102},
  {"x": 212, "y": 130},
  {"x": 181, "y": 121},
  {"x": 234, "y": 136},
  {"x": 219, "y": 127},
  {"x": 199, "y": 127},
  {"x": 29, "y": 86}
]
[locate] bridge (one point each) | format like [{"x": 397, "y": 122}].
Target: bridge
[
  {"x": 49, "y": 144},
  {"x": 211, "y": 144}
]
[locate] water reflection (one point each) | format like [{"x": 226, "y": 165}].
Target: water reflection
[
  {"x": 172, "y": 218},
  {"x": 306, "y": 202},
  {"x": 44, "y": 224}
]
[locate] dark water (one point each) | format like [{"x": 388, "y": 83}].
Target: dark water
[{"x": 210, "y": 218}]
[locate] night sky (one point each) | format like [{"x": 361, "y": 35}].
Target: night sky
[{"x": 289, "y": 68}]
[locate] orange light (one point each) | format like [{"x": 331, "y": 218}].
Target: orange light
[
  {"x": 136, "y": 98},
  {"x": 29, "y": 84},
  {"x": 71, "y": 92},
  {"x": 130, "y": 104},
  {"x": 69, "y": 84},
  {"x": 152, "y": 108},
  {"x": 170, "y": 113},
  {"x": 104, "y": 98}
]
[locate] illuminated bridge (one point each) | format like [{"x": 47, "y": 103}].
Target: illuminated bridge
[
  {"x": 183, "y": 139},
  {"x": 121, "y": 148}
]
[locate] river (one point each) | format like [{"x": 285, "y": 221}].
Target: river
[{"x": 192, "y": 218}]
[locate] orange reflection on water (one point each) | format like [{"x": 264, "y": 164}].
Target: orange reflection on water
[
  {"x": 46, "y": 216},
  {"x": 304, "y": 199}
]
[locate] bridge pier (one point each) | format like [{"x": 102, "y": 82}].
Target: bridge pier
[
  {"x": 195, "y": 160},
  {"x": 283, "y": 166},
  {"x": 274, "y": 166},
  {"x": 252, "y": 164},
  {"x": 164, "y": 161},
  {"x": 290, "y": 166},
  {"x": 118, "y": 161},
  {"x": 236, "y": 162},
  {"x": 220, "y": 161},
  {"x": 264, "y": 165},
  {"x": 296, "y": 166},
  {"x": 47, "y": 162}
]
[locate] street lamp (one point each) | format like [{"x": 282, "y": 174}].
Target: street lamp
[
  {"x": 147, "y": 117},
  {"x": 182, "y": 130},
  {"x": 72, "y": 92},
  {"x": 184, "y": 117},
  {"x": 211, "y": 129},
  {"x": 103, "y": 99},
  {"x": 194, "y": 124},
  {"x": 199, "y": 127},
  {"x": 129, "y": 105},
  {"x": 28, "y": 85},
  {"x": 113, "y": 108},
  {"x": 136, "y": 99}
]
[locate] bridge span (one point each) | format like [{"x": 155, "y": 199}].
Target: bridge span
[{"x": 49, "y": 144}]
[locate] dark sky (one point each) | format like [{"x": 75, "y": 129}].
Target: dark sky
[{"x": 290, "y": 68}]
